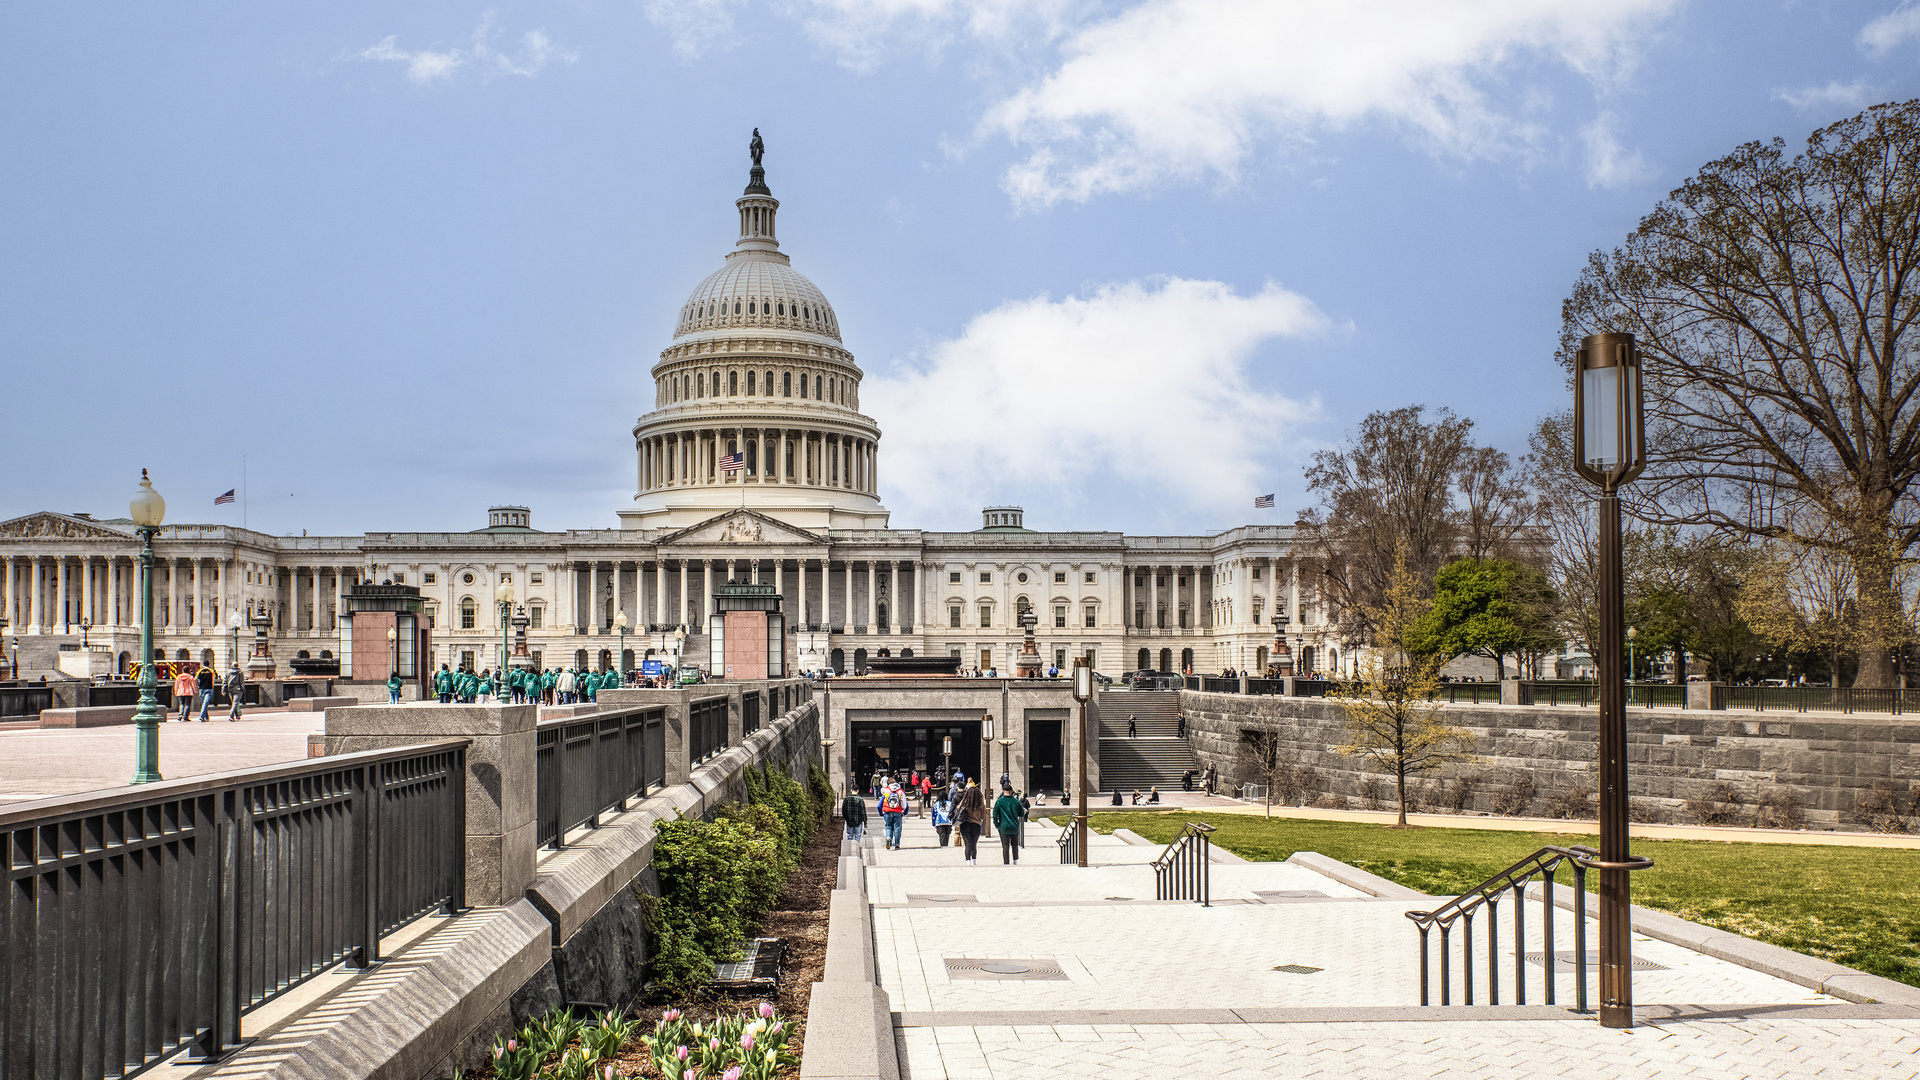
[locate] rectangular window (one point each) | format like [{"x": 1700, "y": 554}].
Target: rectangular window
[
  {"x": 953, "y": 576},
  {"x": 953, "y": 615},
  {"x": 1090, "y": 613},
  {"x": 466, "y": 658},
  {"x": 506, "y": 579},
  {"x": 986, "y": 577},
  {"x": 535, "y": 615},
  {"x": 1059, "y": 615},
  {"x": 1059, "y": 577},
  {"x": 431, "y": 578},
  {"x": 986, "y": 614},
  {"x": 399, "y": 579},
  {"x": 536, "y": 579},
  {"x": 1059, "y": 658},
  {"x": 1139, "y": 581},
  {"x": 1256, "y": 573},
  {"x": 1089, "y": 577}
]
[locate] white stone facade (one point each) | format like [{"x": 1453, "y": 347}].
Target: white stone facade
[{"x": 757, "y": 367}]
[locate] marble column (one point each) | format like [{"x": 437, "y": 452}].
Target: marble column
[
  {"x": 592, "y": 621},
  {"x": 873, "y": 596},
  {"x": 685, "y": 618},
  {"x": 800, "y": 567},
  {"x": 846, "y": 609},
  {"x": 706, "y": 588},
  {"x": 659, "y": 591}
]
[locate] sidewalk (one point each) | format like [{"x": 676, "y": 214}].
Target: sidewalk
[
  {"x": 1120, "y": 985},
  {"x": 41, "y": 762}
]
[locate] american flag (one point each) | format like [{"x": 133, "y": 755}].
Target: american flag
[
  {"x": 227, "y": 498},
  {"x": 1263, "y": 502},
  {"x": 733, "y": 463}
]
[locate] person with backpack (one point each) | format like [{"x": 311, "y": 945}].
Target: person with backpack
[
  {"x": 853, "y": 810},
  {"x": 943, "y": 820},
  {"x": 203, "y": 683},
  {"x": 971, "y": 813},
  {"x": 234, "y": 685},
  {"x": 443, "y": 685},
  {"x": 893, "y": 811}
]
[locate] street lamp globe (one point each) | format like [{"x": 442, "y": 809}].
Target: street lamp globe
[
  {"x": 504, "y": 594},
  {"x": 1609, "y": 430},
  {"x": 147, "y": 508},
  {"x": 620, "y": 621}
]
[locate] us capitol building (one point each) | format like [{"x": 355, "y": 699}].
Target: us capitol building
[{"x": 757, "y": 367}]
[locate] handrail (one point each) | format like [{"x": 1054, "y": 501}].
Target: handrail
[
  {"x": 1543, "y": 864},
  {"x": 1069, "y": 853},
  {"x": 1185, "y": 870}
]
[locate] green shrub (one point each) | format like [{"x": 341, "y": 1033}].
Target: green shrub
[{"x": 715, "y": 878}]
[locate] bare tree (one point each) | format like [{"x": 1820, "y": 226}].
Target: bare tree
[
  {"x": 1392, "y": 715},
  {"x": 1268, "y": 755},
  {"x": 1775, "y": 301}
]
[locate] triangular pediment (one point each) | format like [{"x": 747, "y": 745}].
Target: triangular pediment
[
  {"x": 47, "y": 525},
  {"x": 742, "y": 527}
]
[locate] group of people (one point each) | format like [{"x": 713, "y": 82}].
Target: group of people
[
  {"x": 961, "y": 803},
  {"x": 190, "y": 686},
  {"x": 554, "y": 686}
]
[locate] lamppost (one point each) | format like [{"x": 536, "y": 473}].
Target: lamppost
[
  {"x": 1633, "y": 669},
  {"x": 620, "y": 658},
  {"x": 986, "y": 737},
  {"x": 679, "y": 640},
  {"x": 1609, "y": 441},
  {"x": 393, "y": 649},
  {"x": 85, "y": 625},
  {"x": 504, "y": 597},
  {"x": 148, "y": 510},
  {"x": 1082, "y": 693},
  {"x": 234, "y": 622},
  {"x": 1006, "y": 757},
  {"x": 946, "y": 755},
  {"x": 1279, "y": 621}
]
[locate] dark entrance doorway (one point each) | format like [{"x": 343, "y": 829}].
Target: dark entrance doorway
[
  {"x": 900, "y": 748},
  {"x": 1045, "y": 753}
]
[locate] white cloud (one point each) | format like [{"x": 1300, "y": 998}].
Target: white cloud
[
  {"x": 1891, "y": 30},
  {"x": 861, "y": 31},
  {"x": 1834, "y": 97},
  {"x": 1175, "y": 90},
  {"x": 1610, "y": 165},
  {"x": 1144, "y": 383},
  {"x": 694, "y": 25},
  {"x": 535, "y": 51}
]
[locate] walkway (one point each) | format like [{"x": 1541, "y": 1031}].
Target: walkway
[
  {"x": 42, "y": 762},
  {"x": 1120, "y": 985}
]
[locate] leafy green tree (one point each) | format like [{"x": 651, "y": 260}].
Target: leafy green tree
[
  {"x": 1683, "y": 593},
  {"x": 1492, "y": 608}
]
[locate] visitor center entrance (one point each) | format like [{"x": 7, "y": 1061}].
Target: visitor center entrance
[{"x": 897, "y": 748}]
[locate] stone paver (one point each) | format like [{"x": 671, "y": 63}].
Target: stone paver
[
  {"x": 1181, "y": 963},
  {"x": 36, "y": 764}
]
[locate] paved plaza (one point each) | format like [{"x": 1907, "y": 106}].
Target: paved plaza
[
  {"x": 1139, "y": 987},
  {"x": 36, "y": 763}
]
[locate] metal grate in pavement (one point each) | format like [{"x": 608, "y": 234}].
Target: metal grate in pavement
[
  {"x": 1004, "y": 970},
  {"x": 1296, "y": 969},
  {"x": 1563, "y": 961},
  {"x": 942, "y": 898},
  {"x": 1296, "y": 896}
]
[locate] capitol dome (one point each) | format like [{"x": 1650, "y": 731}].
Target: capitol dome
[{"x": 757, "y": 368}]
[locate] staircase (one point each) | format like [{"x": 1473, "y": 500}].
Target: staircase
[{"x": 1157, "y": 756}]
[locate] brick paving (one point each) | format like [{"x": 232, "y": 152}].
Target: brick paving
[{"x": 1174, "y": 989}]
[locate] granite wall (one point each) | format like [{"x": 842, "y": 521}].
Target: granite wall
[{"x": 1839, "y": 770}]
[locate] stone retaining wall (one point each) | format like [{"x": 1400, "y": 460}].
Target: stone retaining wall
[{"x": 1836, "y": 767}]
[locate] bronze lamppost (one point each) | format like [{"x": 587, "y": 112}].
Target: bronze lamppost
[
  {"x": 1609, "y": 442},
  {"x": 1082, "y": 693}
]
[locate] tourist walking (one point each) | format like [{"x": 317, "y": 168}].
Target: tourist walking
[
  {"x": 1006, "y": 818},
  {"x": 971, "y": 812},
  {"x": 393, "y": 688},
  {"x": 565, "y": 686},
  {"x": 443, "y": 685},
  {"x": 943, "y": 820},
  {"x": 203, "y": 686},
  {"x": 893, "y": 811},
  {"x": 183, "y": 692},
  {"x": 235, "y": 686},
  {"x": 1133, "y": 729},
  {"x": 854, "y": 810},
  {"x": 1180, "y": 726}
]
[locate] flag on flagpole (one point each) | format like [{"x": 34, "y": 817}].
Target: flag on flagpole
[
  {"x": 227, "y": 498},
  {"x": 1263, "y": 502},
  {"x": 733, "y": 463}
]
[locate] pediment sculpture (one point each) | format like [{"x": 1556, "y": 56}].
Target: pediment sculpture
[
  {"x": 741, "y": 530},
  {"x": 56, "y": 526}
]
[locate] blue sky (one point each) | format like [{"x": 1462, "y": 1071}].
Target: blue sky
[{"x": 1127, "y": 264}]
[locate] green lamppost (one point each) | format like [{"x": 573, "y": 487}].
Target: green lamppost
[
  {"x": 147, "y": 509},
  {"x": 620, "y": 658},
  {"x": 504, "y": 597}
]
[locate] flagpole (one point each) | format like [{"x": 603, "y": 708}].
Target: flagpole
[{"x": 243, "y": 491}]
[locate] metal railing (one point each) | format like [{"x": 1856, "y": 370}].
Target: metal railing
[
  {"x": 24, "y": 702},
  {"x": 706, "y": 729},
  {"x": 1473, "y": 693},
  {"x": 1185, "y": 870},
  {"x": 146, "y": 920},
  {"x": 1069, "y": 843},
  {"x": 1842, "y": 699},
  {"x": 586, "y": 766},
  {"x": 1261, "y": 686},
  {"x": 1461, "y": 910}
]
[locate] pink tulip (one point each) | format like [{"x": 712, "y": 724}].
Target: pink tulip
[
  {"x": 715, "y": 1044},
  {"x": 766, "y": 1011},
  {"x": 609, "y": 1073},
  {"x": 732, "y": 1074},
  {"x": 498, "y": 1051},
  {"x": 670, "y": 1015},
  {"x": 746, "y": 1041},
  {"x": 680, "y": 1053}
]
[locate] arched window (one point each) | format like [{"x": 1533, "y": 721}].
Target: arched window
[
  {"x": 1166, "y": 659},
  {"x": 750, "y": 384},
  {"x": 750, "y": 310},
  {"x": 986, "y": 615},
  {"x": 769, "y": 384},
  {"x": 466, "y": 613},
  {"x": 816, "y": 387},
  {"x": 733, "y": 383},
  {"x": 736, "y": 307},
  {"x": 1146, "y": 661},
  {"x": 786, "y": 384},
  {"x": 753, "y": 452},
  {"x": 700, "y": 385},
  {"x": 779, "y": 309}
]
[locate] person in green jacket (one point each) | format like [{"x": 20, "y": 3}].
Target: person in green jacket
[
  {"x": 592, "y": 682},
  {"x": 546, "y": 687},
  {"x": 612, "y": 680},
  {"x": 443, "y": 684},
  {"x": 1006, "y": 818},
  {"x": 516, "y": 688},
  {"x": 486, "y": 684},
  {"x": 393, "y": 688}
]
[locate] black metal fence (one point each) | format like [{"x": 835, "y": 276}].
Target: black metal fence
[
  {"x": 706, "y": 729},
  {"x": 749, "y": 712},
  {"x": 586, "y": 766},
  {"x": 1185, "y": 870},
  {"x": 24, "y": 702},
  {"x": 1841, "y": 699},
  {"x": 145, "y": 920}
]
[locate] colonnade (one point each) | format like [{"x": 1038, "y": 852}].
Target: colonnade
[
  {"x": 673, "y": 592},
  {"x": 58, "y": 594},
  {"x": 1169, "y": 597},
  {"x": 774, "y": 455}
]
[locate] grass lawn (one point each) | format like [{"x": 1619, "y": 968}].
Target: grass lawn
[{"x": 1855, "y": 906}]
